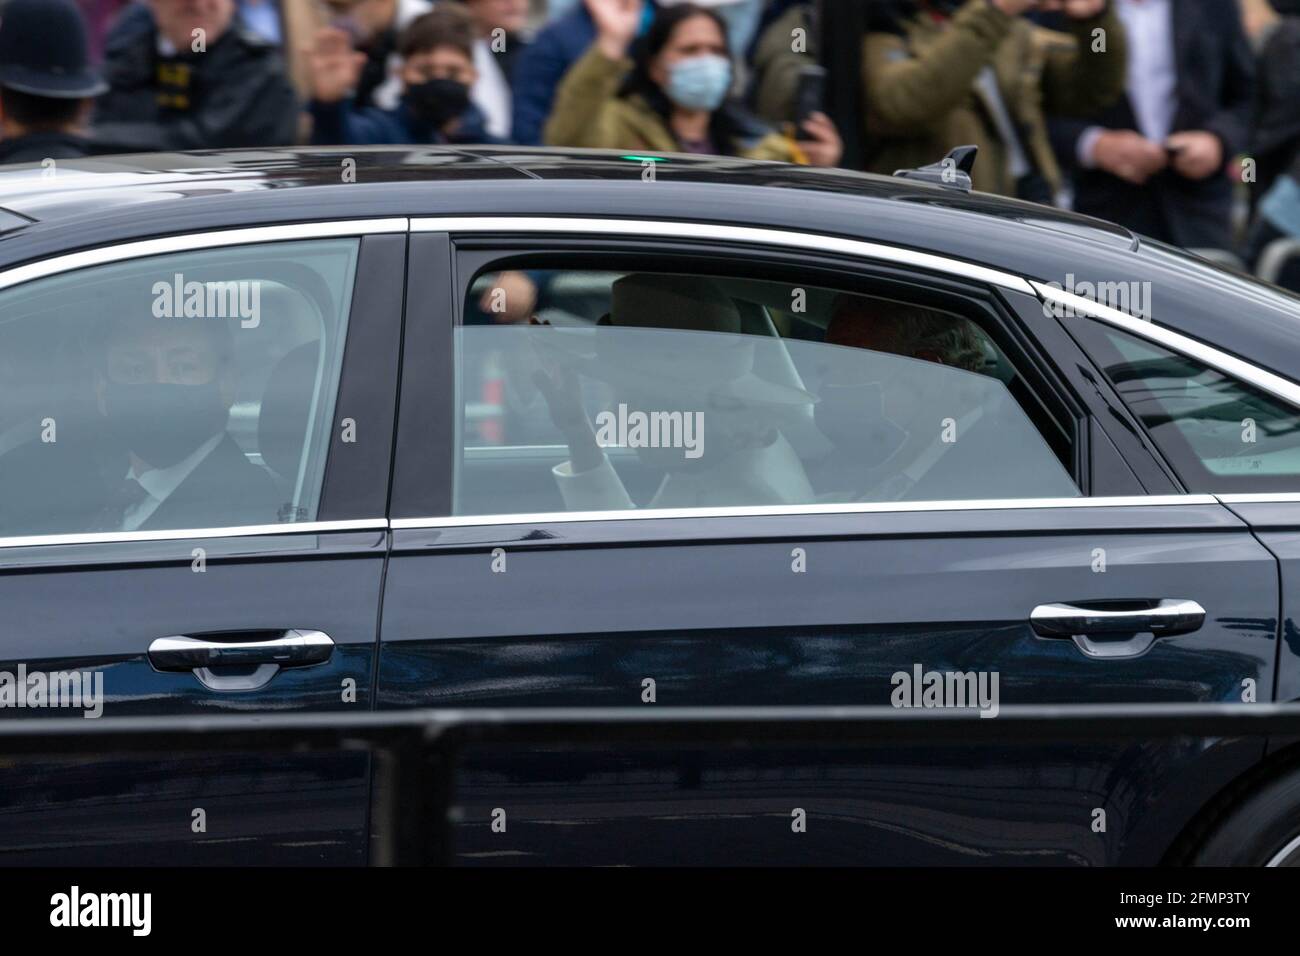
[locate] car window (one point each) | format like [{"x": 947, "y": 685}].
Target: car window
[
  {"x": 184, "y": 391},
  {"x": 1220, "y": 434},
  {"x": 623, "y": 390}
]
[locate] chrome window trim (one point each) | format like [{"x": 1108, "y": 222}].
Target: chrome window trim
[
  {"x": 181, "y": 534},
  {"x": 756, "y": 511},
  {"x": 1259, "y": 497},
  {"x": 643, "y": 514},
  {"x": 666, "y": 229},
  {"x": 1267, "y": 382},
  {"x": 190, "y": 241}
]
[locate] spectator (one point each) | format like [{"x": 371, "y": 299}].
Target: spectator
[
  {"x": 374, "y": 27},
  {"x": 1275, "y": 140},
  {"x": 672, "y": 97},
  {"x": 498, "y": 28},
  {"x": 943, "y": 74},
  {"x": 778, "y": 60},
  {"x": 1155, "y": 160},
  {"x": 45, "y": 83},
  {"x": 437, "y": 73},
  {"x": 194, "y": 79},
  {"x": 1278, "y": 218},
  {"x": 541, "y": 67}
]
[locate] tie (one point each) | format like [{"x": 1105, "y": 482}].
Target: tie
[{"x": 125, "y": 496}]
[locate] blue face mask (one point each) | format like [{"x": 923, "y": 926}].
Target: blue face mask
[{"x": 700, "y": 82}]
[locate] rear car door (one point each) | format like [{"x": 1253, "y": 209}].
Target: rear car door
[
  {"x": 713, "y": 469},
  {"x": 193, "y": 481}
]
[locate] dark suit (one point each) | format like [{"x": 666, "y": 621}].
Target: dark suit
[
  {"x": 50, "y": 488},
  {"x": 225, "y": 488},
  {"x": 1214, "y": 89}
]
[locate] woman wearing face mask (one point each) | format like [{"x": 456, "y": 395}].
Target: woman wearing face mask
[
  {"x": 671, "y": 94},
  {"x": 437, "y": 72}
]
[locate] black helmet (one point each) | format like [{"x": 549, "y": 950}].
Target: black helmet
[{"x": 43, "y": 50}]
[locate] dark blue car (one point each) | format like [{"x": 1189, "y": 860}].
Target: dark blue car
[{"x": 360, "y": 430}]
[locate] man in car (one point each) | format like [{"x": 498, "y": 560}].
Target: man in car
[
  {"x": 906, "y": 430},
  {"x": 164, "y": 390}
]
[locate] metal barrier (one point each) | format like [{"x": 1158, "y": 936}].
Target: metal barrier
[{"x": 416, "y": 751}]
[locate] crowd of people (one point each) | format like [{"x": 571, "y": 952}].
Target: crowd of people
[{"x": 1177, "y": 118}]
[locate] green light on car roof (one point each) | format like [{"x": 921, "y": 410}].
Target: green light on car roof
[{"x": 645, "y": 159}]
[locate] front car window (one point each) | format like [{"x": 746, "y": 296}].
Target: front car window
[
  {"x": 649, "y": 390},
  {"x": 185, "y": 391}
]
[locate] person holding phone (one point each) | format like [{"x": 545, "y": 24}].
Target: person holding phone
[
  {"x": 942, "y": 73},
  {"x": 1155, "y": 161},
  {"x": 669, "y": 92}
]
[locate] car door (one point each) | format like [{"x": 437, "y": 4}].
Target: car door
[
  {"x": 194, "y": 478},
  {"x": 823, "y": 547}
]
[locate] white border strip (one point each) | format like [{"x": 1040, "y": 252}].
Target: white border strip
[
  {"x": 238, "y": 531},
  {"x": 143, "y": 248},
  {"x": 1265, "y": 381},
  {"x": 885, "y": 507},
  {"x": 1260, "y": 497},
  {"x": 702, "y": 230}
]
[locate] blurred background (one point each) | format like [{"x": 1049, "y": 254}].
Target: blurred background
[{"x": 1177, "y": 118}]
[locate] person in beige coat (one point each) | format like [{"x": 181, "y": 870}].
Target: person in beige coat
[{"x": 672, "y": 97}]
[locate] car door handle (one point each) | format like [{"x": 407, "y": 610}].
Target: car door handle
[
  {"x": 292, "y": 648},
  {"x": 1144, "y": 625}
]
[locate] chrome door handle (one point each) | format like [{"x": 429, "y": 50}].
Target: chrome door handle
[
  {"x": 292, "y": 648},
  {"x": 1146, "y": 624}
]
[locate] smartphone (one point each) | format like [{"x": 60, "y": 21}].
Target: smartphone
[{"x": 809, "y": 97}]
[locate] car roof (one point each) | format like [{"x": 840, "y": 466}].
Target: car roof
[
  {"x": 83, "y": 187},
  {"x": 85, "y": 203}
]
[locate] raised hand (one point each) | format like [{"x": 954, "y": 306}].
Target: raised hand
[
  {"x": 334, "y": 66},
  {"x": 617, "y": 22}
]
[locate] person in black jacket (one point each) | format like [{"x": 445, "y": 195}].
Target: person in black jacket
[
  {"x": 193, "y": 78},
  {"x": 164, "y": 389},
  {"x": 45, "y": 83},
  {"x": 1156, "y": 161}
]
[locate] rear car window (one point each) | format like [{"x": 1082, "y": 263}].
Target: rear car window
[
  {"x": 622, "y": 390},
  {"x": 185, "y": 391}
]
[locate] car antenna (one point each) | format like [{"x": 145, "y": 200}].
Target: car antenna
[{"x": 952, "y": 171}]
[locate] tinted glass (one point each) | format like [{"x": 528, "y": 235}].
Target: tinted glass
[
  {"x": 1219, "y": 434},
  {"x": 192, "y": 390},
  {"x": 640, "y": 390}
]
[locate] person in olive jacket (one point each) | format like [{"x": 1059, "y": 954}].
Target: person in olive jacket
[
  {"x": 980, "y": 73},
  {"x": 192, "y": 77},
  {"x": 672, "y": 95}
]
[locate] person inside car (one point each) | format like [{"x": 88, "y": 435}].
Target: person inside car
[
  {"x": 904, "y": 430},
  {"x": 437, "y": 71},
  {"x": 671, "y": 95},
  {"x": 164, "y": 389},
  {"x": 673, "y": 345}
]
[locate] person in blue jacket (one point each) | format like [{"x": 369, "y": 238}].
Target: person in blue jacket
[
  {"x": 538, "y": 72},
  {"x": 437, "y": 72}
]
